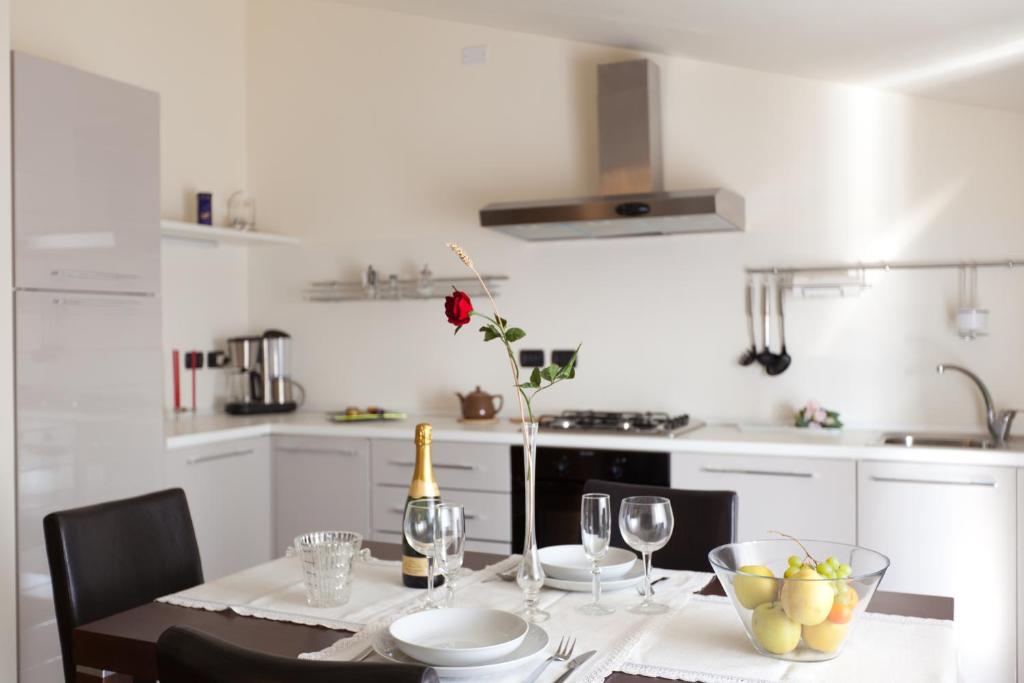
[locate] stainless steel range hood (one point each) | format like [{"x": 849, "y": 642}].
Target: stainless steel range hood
[{"x": 632, "y": 202}]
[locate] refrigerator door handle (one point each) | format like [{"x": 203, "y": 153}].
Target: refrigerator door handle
[
  {"x": 95, "y": 302},
  {"x": 92, "y": 274}
]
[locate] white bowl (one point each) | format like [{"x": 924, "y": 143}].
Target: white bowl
[
  {"x": 459, "y": 636},
  {"x": 570, "y": 563}
]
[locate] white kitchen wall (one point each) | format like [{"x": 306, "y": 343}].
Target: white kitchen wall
[
  {"x": 369, "y": 139},
  {"x": 192, "y": 52},
  {"x": 205, "y": 302}
]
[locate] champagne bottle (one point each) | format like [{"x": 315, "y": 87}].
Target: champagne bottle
[{"x": 423, "y": 486}]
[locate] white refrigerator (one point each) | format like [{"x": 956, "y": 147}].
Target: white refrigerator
[{"x": 87, "y": 314}]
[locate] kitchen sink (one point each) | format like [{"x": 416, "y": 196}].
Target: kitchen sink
[{"x": 938, "y": 441}]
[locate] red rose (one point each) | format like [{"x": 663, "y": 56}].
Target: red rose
[{"x": 458, "y": 307}]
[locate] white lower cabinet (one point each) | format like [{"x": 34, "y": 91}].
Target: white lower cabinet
[
  {"x": 477, "y": 476},
  {"x": 228, "y": 489},
  {"x": 320, "y": 483},
  {"x": 806, "y": 497},
  {"x": 945, "y": 529}
]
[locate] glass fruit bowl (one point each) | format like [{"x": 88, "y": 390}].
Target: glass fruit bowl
[{"x": 808, "y": 615}]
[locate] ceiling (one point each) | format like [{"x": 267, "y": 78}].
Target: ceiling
[{"x": 969, "y": 51}]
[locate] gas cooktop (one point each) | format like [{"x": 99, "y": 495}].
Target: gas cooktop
[{"x": 597, "y": 422}]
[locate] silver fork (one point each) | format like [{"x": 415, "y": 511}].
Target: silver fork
[
  {"x": 509, "y": 575},
  {"x": 640, "y": 589},
  {"x": 563, "y": 653}
]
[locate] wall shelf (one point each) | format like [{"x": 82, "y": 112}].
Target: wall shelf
[
  {"x": 399, "y": 290},
  {"x": 211, "y": 234}
]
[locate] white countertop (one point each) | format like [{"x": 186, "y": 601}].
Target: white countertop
[{"x": 187, "y": 430}]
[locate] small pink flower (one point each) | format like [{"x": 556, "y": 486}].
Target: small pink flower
[
  {"x": 820, "y": 415},
  {"x": 811, "y": 408}
]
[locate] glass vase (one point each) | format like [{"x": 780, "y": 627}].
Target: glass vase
[{"x": 530, "y": 576}]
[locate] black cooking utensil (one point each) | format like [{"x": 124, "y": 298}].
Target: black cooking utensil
[
  {"x": 782, "y": 359},
  {"x": 765, "y": 357},
  {"x": 750, "y": 355}
]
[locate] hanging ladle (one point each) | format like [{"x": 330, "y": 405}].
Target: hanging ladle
[
  {"x": 765, "y": 357},
  {"x": 750, "y": 355},
  {"x": 782, "y": 359}
]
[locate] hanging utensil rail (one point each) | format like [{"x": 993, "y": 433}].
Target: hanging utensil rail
[{"x": 885, "y": 266}]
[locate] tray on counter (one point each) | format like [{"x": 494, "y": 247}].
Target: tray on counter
[{"x": 386, "y": 416}]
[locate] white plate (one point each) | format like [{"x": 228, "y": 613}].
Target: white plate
[
  {"x": 570, "y": 563},
  {"x": 530, "y": 649},
  {"x": 460, "y": 636},
  {"x": 632, "y": 578}
]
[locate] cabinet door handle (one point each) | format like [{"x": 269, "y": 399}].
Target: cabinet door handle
[
  {"x": 195, "y": 460},
  {"x": 93, "y": 274},
  {"x": 329, "y": 451},
  {"x": 438, "y": 465},
  {"x": 466, "y": 515},
  {"x": 766, "y": 473},
  {"x": 939, "y": 482}
]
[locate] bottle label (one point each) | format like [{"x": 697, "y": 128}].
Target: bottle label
[{"x": 414, "y": 566}]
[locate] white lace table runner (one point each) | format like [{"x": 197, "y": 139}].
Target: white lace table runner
[
  {"x": 612, "y": 636},
  {"x": 706, "y": 642},
  {"x": 275, "y": 591}
]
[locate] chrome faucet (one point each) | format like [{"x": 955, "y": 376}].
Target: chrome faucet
[{"x": 999, "y": 421}]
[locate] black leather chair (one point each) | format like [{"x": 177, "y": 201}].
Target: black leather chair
[
  {"x": 114, "y": 556},
  {"x": 703, "y": 520},
  {"x": 186, "y": 655}
]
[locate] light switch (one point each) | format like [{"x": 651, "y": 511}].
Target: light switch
[{"x": 474, "y": 55}]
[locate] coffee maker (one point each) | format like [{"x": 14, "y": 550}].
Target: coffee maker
[{"x": 258, "y": 379}]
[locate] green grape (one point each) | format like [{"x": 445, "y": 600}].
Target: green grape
[
  {"x": 845, "y": 570},
  {"x": 833, "y": 562},
  {"x": 790, "y": 572},
  {"x": 823, "y": 569},
  {"x": 795, "y": 561}
]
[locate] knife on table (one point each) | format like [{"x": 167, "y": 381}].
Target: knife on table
[{"x": 574, "y": 664}]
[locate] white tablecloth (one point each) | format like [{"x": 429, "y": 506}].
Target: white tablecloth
[
  {"x": 613, "y": 636},
  {"x": 275, "y": 591},
  {"x": 706, "y": 642},
  {"x": 700, "y": 639}
]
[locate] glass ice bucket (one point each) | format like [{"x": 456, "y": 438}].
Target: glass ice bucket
[
  {"x": 807, "y": 617},
  {"x": 326, "y": 558}
]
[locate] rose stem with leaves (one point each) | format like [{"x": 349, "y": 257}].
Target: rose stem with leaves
[
  {"x": 468, "y": 262},
  {"x": 508, "y": 335}
]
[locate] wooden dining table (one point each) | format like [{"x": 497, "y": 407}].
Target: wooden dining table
[{"x": 125, "y": 642}]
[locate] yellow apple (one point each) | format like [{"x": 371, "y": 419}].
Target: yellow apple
[
  {"x": 806, "y": 597},
  {"x": 826, "y": 636},
  {"x": 751, "y": 591},
  {"x": 776, "y": 632}
]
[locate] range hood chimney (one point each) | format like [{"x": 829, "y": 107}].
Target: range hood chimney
[{"x": 633, "y": 202}]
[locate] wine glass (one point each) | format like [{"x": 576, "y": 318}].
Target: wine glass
[
  {"x": 596, "y": 532},
  {"x": 419, "y": 528},
  {"x": 646, "y": 524},
  {"x": 450, "y": 544}
]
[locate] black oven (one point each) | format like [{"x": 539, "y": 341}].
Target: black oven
[{"x": 561, "y": 474}]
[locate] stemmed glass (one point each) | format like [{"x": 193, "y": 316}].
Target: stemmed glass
[
  {"x": 596, "y": 532},
  {"x": 646, "y": 524},
  {"x": 419, "y": 529},
  {"x": 450, "y": 544}
]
